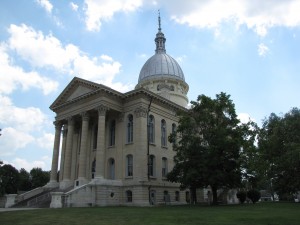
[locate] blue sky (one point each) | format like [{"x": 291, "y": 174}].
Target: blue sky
[{"x": 249, "y": 49}]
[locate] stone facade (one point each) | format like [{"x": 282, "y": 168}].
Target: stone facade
[{"x": 104, "y": 146}]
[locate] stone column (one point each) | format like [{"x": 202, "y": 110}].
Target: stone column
[
  {"x": 100, "y": 154},
  {"x": 83, "y": 149},
  {"x": 53, "y": 176},
  {"x": 62, "y": 155},
  {"x": 10, "y": 200},
  {"x": 68, "y": 154},
  {"x": 140, "y": 170}
]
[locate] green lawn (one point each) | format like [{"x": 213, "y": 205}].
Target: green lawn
[{"x": 258, "y": 214}]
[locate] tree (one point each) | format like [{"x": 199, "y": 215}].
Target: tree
[
  {"x": 241, "y": 195},
  {"x": 39, "y": 177},
  {"x": 24, "y": 180},
  {"x": 279, "y": 148},
  {"x": 253, "y": 195},
  {"x": 9, "y": 176},
  {"x": 210, "y": 142}
]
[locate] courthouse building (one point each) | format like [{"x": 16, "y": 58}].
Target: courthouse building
[{"x": 106, "y": 156}]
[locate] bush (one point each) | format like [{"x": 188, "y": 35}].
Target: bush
[
  {"x": 241, "y": 195},
  {"x": 253, "y": 195}
]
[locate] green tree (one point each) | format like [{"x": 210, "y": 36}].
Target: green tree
[
  {"x": 39, "y": 177},
  {"x": 253, "y": 195},
  {"x": 24, "y": 180},
  {"x": 9, "y": 177},
  {"x": 211, "y": 138},
  {"x": 279, "y": 148}
]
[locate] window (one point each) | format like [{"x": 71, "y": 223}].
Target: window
[
  {"x": 163, "y": 133},
  {"x": 151, "y": 165},
  {"x": 112, "y": 133},
  {"x": 151, "y": 128},
  {"x": 164, "y": 169},
  {"x": 166, "y": 197},
  {"x": 174, "y": 129},
  {"x": 128, "y": 196},
  {"x": 111, "y": 169},
  {"x": 177, "y": 198},
  {"x": 95, "y": 134},
  {"x": 129, "y": 166},
  {"x": 129, "y": 128},
  {"x": 93, "y": 168}
]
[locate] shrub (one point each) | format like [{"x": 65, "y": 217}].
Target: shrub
[
  {"x": 253, "y": 195},
  {"x": 241, "y": 195}
]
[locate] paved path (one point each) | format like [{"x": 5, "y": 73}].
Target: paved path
[{"x": 15, "y": 209}]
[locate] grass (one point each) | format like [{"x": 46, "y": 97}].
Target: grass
[{"x": 258, "y": 214}]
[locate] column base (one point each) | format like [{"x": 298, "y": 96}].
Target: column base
[{"x": 52, "y": 184}]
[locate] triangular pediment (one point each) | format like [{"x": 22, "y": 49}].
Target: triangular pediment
[{"x": 75, "y": 89}]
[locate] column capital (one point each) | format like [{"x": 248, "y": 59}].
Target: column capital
[
  {"x": 121, "y": 117},
  {"x": 102, "y": 110},
  {"x": 85, "y": 116},
  {"x": 71, "y": 121},
  {"x": 58, "y": 124},
  {"x": 140, "y": 112}
]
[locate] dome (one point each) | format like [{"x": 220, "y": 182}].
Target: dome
[{"x": 161, "y": 65}]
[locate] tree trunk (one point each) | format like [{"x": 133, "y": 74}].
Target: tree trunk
[{"x": 215, "y": 195}]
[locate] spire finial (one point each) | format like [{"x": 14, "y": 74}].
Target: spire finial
[
  {"x": 160, "y": 38},
  {"x": 159, "y": 27}
]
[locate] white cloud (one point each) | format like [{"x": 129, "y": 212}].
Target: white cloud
[
  {"x": 46, "y": 141},
  {"x": 13, "y": 77},
  {"x": 46, "y": 5},
  {"x": 97, "y": 11},
  {"x": 23, "y": 163},
  {"x": 245, "y": 118},
  {"x": 73, "y": 6},
  {"x": 106, "y": 58},
  {"x": 13, "y": 139},
  {"x": 47, "y": 51},
  {"x": 262, "y": 49},
  {"x": 23, "y": 119},
  {"x": 255, "y": 14}
]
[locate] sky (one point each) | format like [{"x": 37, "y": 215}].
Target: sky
[{"x": 249, "y": 49}]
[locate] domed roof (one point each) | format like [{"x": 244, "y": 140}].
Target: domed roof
[{"x": 161, "y": 64}]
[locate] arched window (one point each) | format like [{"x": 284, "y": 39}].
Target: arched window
[
  {"x": 163, "y": 133},
  {"x": 174, "y": 129},
  {"x": 112, "y": 133},
  {"x": 151, "y": 129},
  {"x": 177, "y": 196},
  {"x": 111, "y": 169},
  {"x": 129, "y": 128},
  {"x": 164, "y": 168},
  {"x": 95, "y": 134},
  {"x": 128, "y": 196},
  {"x": 151, "y": 165},
  {"x": 129, "y": 166}
]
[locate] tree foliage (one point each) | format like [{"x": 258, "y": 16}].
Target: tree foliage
[
  {"x": 12, "y": 181},
  {"x": 9, "y": 176},
  {"x": 241, "y": 195},
  {"x": 210, "y": 142},
  {"x": 253, "y": 195},
  {"x": 279, "y": 148},
  {"x": 39, "y": 177}
]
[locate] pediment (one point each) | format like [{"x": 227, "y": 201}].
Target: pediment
[{"x": 75, "y": 89}]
